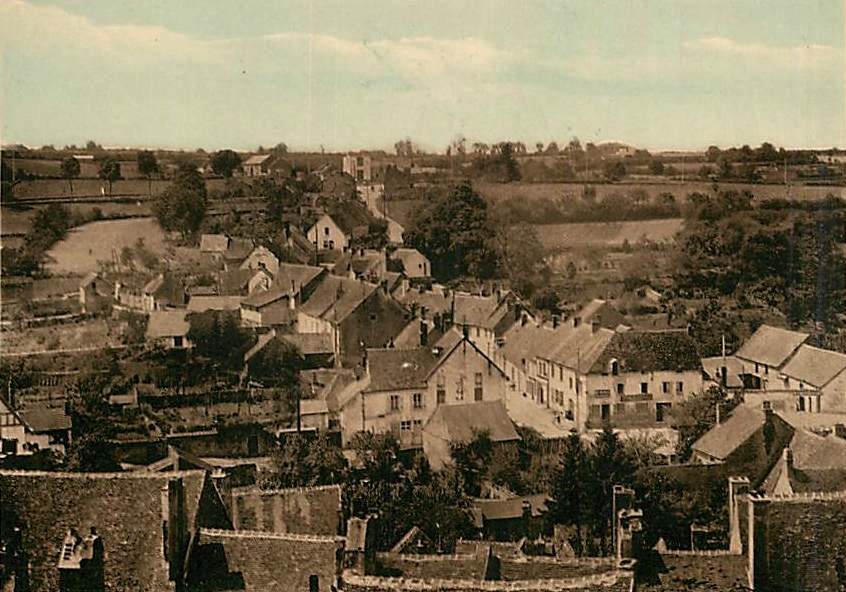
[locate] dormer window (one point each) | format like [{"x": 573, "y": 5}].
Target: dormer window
[{"x": 614, "y": 367}]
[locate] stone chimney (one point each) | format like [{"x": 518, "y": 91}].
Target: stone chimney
[
  {"x": 594, "y": 326},
  {"x": 424, "y": 333}
]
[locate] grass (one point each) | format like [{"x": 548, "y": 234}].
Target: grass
[
  {"x": 80, "y": 251},
  {"x": 607, "y": 234},
  {"x": 58, "y": 188},
  {"x": 96, "y": 332}
]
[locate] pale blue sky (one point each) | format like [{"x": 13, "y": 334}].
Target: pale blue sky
[{"x": 356, "y": 73}]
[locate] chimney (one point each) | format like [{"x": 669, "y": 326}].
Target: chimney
[
  {"x": 424, "y": 333},
  {"x": 768, "y": 409},
  {"x": 594, "y": 326},
  {"x": 577, "y": 321},
  {"x": 524, "y": 318},
  {"x": 465, "y": 331}
]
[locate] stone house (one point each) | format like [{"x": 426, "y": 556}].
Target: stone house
[
  {"x": 327, "y": 234},
  {"x": 169, "y": 328},
  {"x": 768, "y": 349},
  {"x": 415, "y": 264},
  {"x": 28, "y": 430},
  {"x": 405, "y": 387},
  {"x": 817, "y": 379}
]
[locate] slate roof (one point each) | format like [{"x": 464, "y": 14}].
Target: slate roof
[
  {"x": 256, "y": 159},
  {"x": 771, "y": 345},
  {"x": 261, "y": 298},
  {"x": 167, "y": 323},
  {"x": 505, "y": 509},
  {"x": 815, "y": 366},
  {"x": 213, "y": 243},
  {"x": 309, "y": 343},
  {"x": 335, "y": 298},
  {"x": 398, "y": 369},
  {"x": 45, "y": 419},
  {"x": 479, "y": 311},
  {"x": 234, "y": 281},
  {"x": 313, "y": 407},
  {"x": 126, "y": 509},
  {"x": 599, "y": 310},
  {"x": 720, "y": 441},
  {"x": 229, "y": 560},
  {"x": 202, "y": 303},
  {"x": 461, "y": 420},
  {"x": 650, "y": 351}
]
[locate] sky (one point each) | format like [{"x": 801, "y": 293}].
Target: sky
[{"x": 347, "y": 74}]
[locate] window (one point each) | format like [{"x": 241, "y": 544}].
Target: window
[
  {"x": 561, "y": 373},
  {"x": 665, "y": 387},
  {"x": 679, "y": 387},
  {"x": 177, "y": 341},
  {"x": 540, "y": 393},
  {"x": 477, "y": 388},
  {"x": 620, "y": 388},
  {"x": 644, "y": 388},
  {"x": 417, "y": 424},
  {"x": 313, "y": 583},
  {"x": 542, "y": 368},
  {"x": 326, "y": 230},
  {"x": 786, "y": 383},
  {"x": 395, "y": 402},
  {"x": 405, "y": 425},
  {"x": 571, "y": 383},
  {"x": 459, "y": 390},
  {"x": 615, "y": 367},
  {"x": 441, "y": 389},
  {"x": 766, "y": 369},
  {"x": 359, "y": 160},
  {"x": 756, "y": 368},
  {"x": 417, "y": 400}
]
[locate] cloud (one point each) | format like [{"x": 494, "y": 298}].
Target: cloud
[{"x": 810, "y": 54}]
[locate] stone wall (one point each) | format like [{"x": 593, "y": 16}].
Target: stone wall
[{"x": 306, "y": 510}]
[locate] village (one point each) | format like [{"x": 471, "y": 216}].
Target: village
[{"x": 272, "y": 398}]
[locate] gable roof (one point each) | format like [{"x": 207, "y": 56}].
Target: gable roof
[
  {"x": 525, "y": 342},
  {"x": 398, "y": 369},
  {"x": 200, "y": 303},
  {"x": 238, "y": 249},
  {"x": 815, "y": 366},
  {"x": 579, "y": 347},
  {"x": 125, "y": 508},
  {"x": 505, "y": 509},
  {"x": 349, "y": 216},
  {"x": 167, "y": 323},
  {"x": 720, "y": 441},
  {"x": 335, "y": 298},
  {"x": 234, "y": 281},
  {"x": 650, "y": 351},
  {"x": 309, "y": 343},
  {"x": 460, "y": 421},
  {"x": 771, "y": 345},
  {"x": 818, "y": 464},
  {"x": 256, "y": 159}
]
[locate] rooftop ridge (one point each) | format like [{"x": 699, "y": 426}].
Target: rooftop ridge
[
  {"x": 700, "y": 553},
  {"x": 242, "y": 491},
  {"x": 426, "y": 557},
  {"x": 285, "y": 536},
  {"x": 107, "y": 475},
  {"x": 415, "y": 584}
]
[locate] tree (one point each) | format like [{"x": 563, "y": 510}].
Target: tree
[
  {"x": 611, "y": 466},
  {"x": 454, "y": 233},
  {"x": 713, "y": 153},
  {"x": 278, "y": 364},
  {"x": 148, "y": 166},
  {"x": 92, "y": 146},
  {"x": 405, "y": 147},
  {"x": 225, "y": 162},
  {"x": 539, "y": 148},
  {"x": 109, "y": 171},
  {"x": 656, "y": 167},
  {"x": 472, "y": 459},
  {"x": 571, "y": 492},
  {"x": 697, "y": 415},
  {"x": 70, "y": 170},
  {"x": 306, "y": 461},
  {"x": 182, "y": 206},
  {"x": 281, "y": 149},
  {"x": 218, "y": 339},
  {"x": 552, "y": 149},
  {"x": 614, "y": 171}
]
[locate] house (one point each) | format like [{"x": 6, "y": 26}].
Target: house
[
  {"x": 724, "y": 371},
  {"x": 328, "y": 234},
  {"x": 810, "y": 464},
  {"x": 262, "y": 165},
  {"x": 231, "y": 251},
  {"x": 169, "y": 329},
  {"x": 242, "y": 282},
  {"x": 368, "y": 265},
  {"x": 202, "y": 303},
  {"x": 28, "y": 430},
  {"x": 261, "y": 258},
  {"x": 404, "y": 387},
  {"x": 144, "y": 522},
  {"x": 358, "y": 166},
  {"x": 214, "y": 243},
  {"x": 356, "y": 315},
  {"x": 455, "y": 424},
  {"x": 277, "y": 304},
  {"x": 818, "y": 379},
  {"x": 314, "y": 414},
  {"x": 414, "y": 263},
  {"x": 511, "y": 519},
  {"x": 747, "y": 443},
  {"x": 315, "y": 348},
  {"x": 164, "y": 291},
  {"x": 769, "y": 348}
]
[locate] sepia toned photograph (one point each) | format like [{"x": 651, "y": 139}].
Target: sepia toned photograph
[{"x": 423, "y": 296}]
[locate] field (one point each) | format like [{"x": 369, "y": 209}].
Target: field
[
  {"x": 58, "y": 188},
  {"x": 91, "y": 333},
  {"x": 497, "y": 191},
  {"x": 85, "y": 245},
  {"x": 606, "y": 234}
]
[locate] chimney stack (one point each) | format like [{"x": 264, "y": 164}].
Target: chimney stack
[
  {"x": 594, "y": 326},
  {"x": 424, "y": 333}
]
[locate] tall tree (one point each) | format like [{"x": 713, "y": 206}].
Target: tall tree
[
  {"x": 148, "y": 166},
  {"x": 472, "y": 459},
  {"x": 571, "y": 487},
  {"x": 70, "y": 170},
  {"x": 109, "y": 171},
  {"x": 182, "y": 206},
  {"x": 225, "y": 162},
  {"x": 611, "y": 466}
]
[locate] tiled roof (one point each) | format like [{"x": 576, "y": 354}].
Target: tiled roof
[
  {"x": 313, "y": 407},
  {"x": 167, "y": 323},
  {"x": 771, "y": 345},
  {"x": 262, "y": 298},
  {"x": 478, "y": 311},
  {"x": 238, "y": 249},
  {"x": 461, "y": 420},
  {"x": 815, "y": 366},
  {"x": 247, "y": 561},
  {"x": 811, "y": 451},
  {"x": 650, "y": 351},
  {"x": 214, "y": 243},
  {"x": 720, "y": 441},
  {"x": 525, "y": 342},
  {"x": 234, "y": 281},
  {"x": 503, "y": 509},
  {"x": 256, "y": 159},
  {"x": 580, "y": 347},
  {"x": 203, "y": 303},
  {"x": 125, "y": 508},
  {"x": 301, "y": 510},
  {"x": 398, "y": 369},
  {"x": 335, "y": 298},
  {"x": 298, "y": 275},
  {"x": 734, "y": 368},
  {"x": 45, "y": 419},
  {"x": 55, "y": 286},
  {"x": 349, "y": 216}
]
